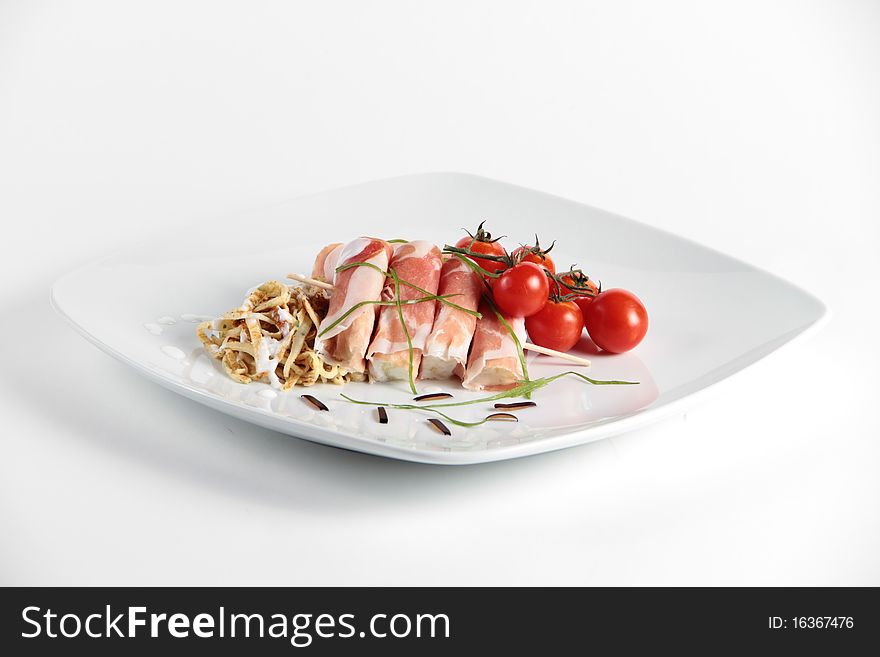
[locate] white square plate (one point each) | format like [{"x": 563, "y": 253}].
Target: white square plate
[{"x": 139, "y": 306}]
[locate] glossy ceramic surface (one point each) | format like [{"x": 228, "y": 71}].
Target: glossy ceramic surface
[{"x": 142, "y": 305}]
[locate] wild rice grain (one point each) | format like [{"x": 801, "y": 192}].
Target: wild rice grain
[
  {"x": 431, "y": 396},
  {"x": 516, "y": 405},
  {"x": 442, "y": 428},
  {"x": 502, "y": 417},
  {"x": 317, "y": 403}
]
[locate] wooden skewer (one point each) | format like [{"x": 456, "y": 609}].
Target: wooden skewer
[
  {"x": 558, "y": 354},
  {"x": 526, "y": 345},
  {"x": 310, "y": 281}
]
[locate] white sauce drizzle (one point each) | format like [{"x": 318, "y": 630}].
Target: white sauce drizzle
[
  {"x": 286, "y": 320},
  {"x": 173, "y": 352},
  {"x": 265, "y": 360},
  {"x": 195, "y": 319}
]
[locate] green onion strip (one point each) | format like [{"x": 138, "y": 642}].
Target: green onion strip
[
  {"x": 380, "y": 303},
  {"x": 519, "y": 348},
  {"x": 428, "y": 295},
  {"x": 466, "y": 259},
  {"x": 470, "y": 263},
  {"x": 414, "y": 407},
  {"x": 443, "y": 298},
  {"x": 524, "y": 389},
  {"x": 398, "y": 303},
  {"x": 409, "y": 345}
]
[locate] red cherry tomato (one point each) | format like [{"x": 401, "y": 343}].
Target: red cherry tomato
[
  {"x": 616, "y": 320},
  {"x": 582, "y": 303},
  {"x": 569, "y": 282},
  {"x": 527, "y": 254},
  {"x": 482, "y": 242},
  {"x": 558, "y": 325},
  {"x": 522, "y": 290}
]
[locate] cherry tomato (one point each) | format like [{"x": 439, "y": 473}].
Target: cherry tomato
[
  {"x": 528, "y": 254},
  {"x": 482, "y": 242},
  {"x": 579, "y": 281},
  {"x": 616, "y": 320},
  {"x": 582, "y": 303},
  {"x": 558, "y": 325},
  {"x": 522, "y": 290}
]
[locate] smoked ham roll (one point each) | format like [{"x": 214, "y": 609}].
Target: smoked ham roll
[
  {"x": 326, "y": 262},
  {"x": 494, "y": 361},
  {"x": 389, "y": 358},
  {"x": 446, "y": 350},
  {"x": 346, "y": 343}
]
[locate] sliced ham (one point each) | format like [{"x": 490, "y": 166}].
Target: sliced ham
[
  {"x": 389, "y": 358},
  {"x": 446, "y": 350},
  {"x": 494, "y": 361},
  {"x": 326, "y": 262},
  {"x": 346, "y": 343}
]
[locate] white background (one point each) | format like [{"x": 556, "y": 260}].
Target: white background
[{"x": 750, "y": 127}]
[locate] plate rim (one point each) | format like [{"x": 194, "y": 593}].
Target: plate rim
[{"x": 329, "y": 437}]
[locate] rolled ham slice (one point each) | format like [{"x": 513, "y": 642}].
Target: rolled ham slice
[
  {"x": 418, "y": 263},
  {"x": 326, "y": 262},
  {"x": 446, "y": 350},
  {"x": 494, "y": 361},
  {"x": 346, "y": 343}
]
